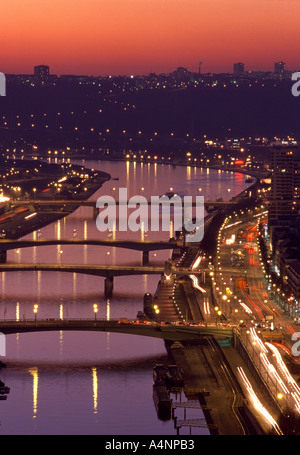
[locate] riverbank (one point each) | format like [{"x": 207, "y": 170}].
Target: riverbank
[
  {"x": 78, "y": 184},
  {"x": 156, "y": 159}
]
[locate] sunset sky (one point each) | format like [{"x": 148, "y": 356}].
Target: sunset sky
[{"x": 101, "y": 37}]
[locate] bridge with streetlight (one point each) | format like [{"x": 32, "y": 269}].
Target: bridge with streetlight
[
  {"x": 172, "y": 332},
  {"x": 106, "y": 271},
  {"x": 34, "y": 203},
  {"x": 144, "y": 246}
]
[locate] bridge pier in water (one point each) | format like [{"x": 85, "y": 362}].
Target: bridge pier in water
[
  {"x": 3, "y": 256},
  {"x": 145, "y": 257},
  {"x": 108, "y": 287},
  {"x": 95, "y": 212}
]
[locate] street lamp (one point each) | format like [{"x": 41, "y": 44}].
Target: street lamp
[
  {"x": 95, "y": 306},
  {"x": 35, "y": 310},
  {"x": 156, "y": 310},
  {"x": 281, "y": 396}
]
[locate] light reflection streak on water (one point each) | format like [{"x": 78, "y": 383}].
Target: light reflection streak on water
[
  {"x": 85, "y": 236},
  {"x": 134, "y": 171},
  {"x": 143, "y": 231},
  {"x": 188, "y": 172},
  {"x": 17, "y": 311},
  {"x": 127, "y": 173},
  {"x": 34, "y": 237},
  {"x": 95, "y": 390},
  {"x": 114, "y": 230},
  {"x": 74, "y": 285},
  {"x": 171, "y": 228},
  {"x": 61, "y": 311},
  {"x": 61, "y": 332},
  {"x": 39, "y": 279},
  {"x": 107, "y": 310},
  {"x": 35, "y": 384},
  {"x": 17, "y": 334},
  {"x": 3, "y": 284},
  {"x": 108, "y": 333}
]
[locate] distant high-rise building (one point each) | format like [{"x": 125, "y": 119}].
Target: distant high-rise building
[
  {"x": 41, "y": 74},
  {"x": 279, "y": 67},
  {"x": 282, "y": 203},
  {"x": 238, "y": 69},
  {"x": 297, "y": 181}
]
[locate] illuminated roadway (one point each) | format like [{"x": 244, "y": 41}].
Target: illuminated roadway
[{"x": 266, "y": 330}]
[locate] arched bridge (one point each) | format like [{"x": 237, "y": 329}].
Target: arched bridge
[
  {"x": 157, "y": 330},
  {"x": 144, "y": 246},
  {"x": 91, "y": 203},
  {"x": 130, "y": 244},
  {"x": 106, "y": 271},
  {"x": 97, "y": 270},
  {"x": 67, "y": 204}
]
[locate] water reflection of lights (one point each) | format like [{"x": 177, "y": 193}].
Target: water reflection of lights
[
  {"x": 107, "y": 310},
  {"x": 34, "y": 373},
  {"x": 61, "y": 332},
  {"x": 17, "y": 311},
  {"x": 95, "y": 390},
  {"x": 3, "y": 284}
]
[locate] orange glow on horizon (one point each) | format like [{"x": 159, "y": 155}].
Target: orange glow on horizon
[{"x": 136, "y": 37}]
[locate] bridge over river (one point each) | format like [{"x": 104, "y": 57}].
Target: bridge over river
[
  {"x": 108, "y": 271},
  {"x": 151, "y": 329},
  {"x": 91, "y": 203},
  {"x": 144, "y": 246}
]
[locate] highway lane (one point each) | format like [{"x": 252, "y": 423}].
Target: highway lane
[{"x": 244, "y": 298}]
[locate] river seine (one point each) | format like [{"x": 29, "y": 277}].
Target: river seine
[{"x": 90, "y": 383}]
